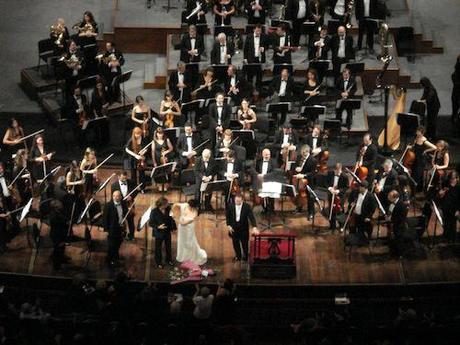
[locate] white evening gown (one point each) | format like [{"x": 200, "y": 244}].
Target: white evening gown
[{"x": 187, "y": 244}]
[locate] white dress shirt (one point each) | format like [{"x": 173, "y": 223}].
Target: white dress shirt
[
  {"x": 189, "y": 143},
  {"x": 223, "y": 54},
  {"x": 123, "y": 188},
  {"x": 367, "y": 8},
  {"x": 382, "y": 181},
  {"x": 341, "y": 52},
  {"x": 256, "y": 46},
  {"x": 282, "y": 90},
  {"x": 219, "y": 114},
  {"x": 345, "y": 85},
  {"x": 256, "y": 12},
  {"x": 229, "y": 170},
  {"x": 233, "y": 81},
  {"x": 285, "y": 139},
  {"x": 180, "y": 78},
  {"x": 336, "y": 181},
  {"x": 5, "y": 190},
  {"x": 238, "y": 212},
  {"x": 119, "y": 212},
  {"x": 359, "y": 203},
  {"x": 264, "y": 167},
  {"x": 392, "y": 206},
  {"x": 302, "y": 9},
  {"x": 192, "y": 43},
  {"x": 315, "y": 142}
]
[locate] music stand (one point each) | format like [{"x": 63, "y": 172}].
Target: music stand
[
  {"x": 192, "y": 107},
  {"x": 287, "y": 191},
  {"x": 309, "y": 28},
  {"x": 226, "y": 29},
  {"x": 220, "y": 71},
  {"x": 332, "y": 26},
  {"x": 121, "y": 80},
  {"x": 250, "y": 28},
  {"x": 251, "y": 68},
  {"x": 172, "y": 134},
  {"x": 163, "y": 171},
  {"x": 356, "y": 68},
  {"x": 273, "y": 190},
  {"x": 103, "y": 187},
  {"x": 299, "y": 123},
  {"x": 202, "y": 28},
  {"x": 87, "y": 83},
  {"x": 409, "y": 123},
  {"x": 95, "y": 125},
  {"x": 351, "y": 104},
  {"x": 333, "y": 126},
  {"x": 311, "y": 192},
  {"x": 321, "y": 66},
  {"x": 278, "y": 108},
  {"x": 215, "y": 186},
  {"x": 277, "y": 68},
  {"x": 274, "y": 23},
  {"x": 245, "y": 135},
  {"x": 313, "y": 112}
]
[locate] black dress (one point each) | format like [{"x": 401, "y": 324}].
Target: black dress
[
  {"x": 419, "y": 164},
  {"x": 312, "y": 100},
  {"x": 138, "y": 176},
  {"x": 89, "y": 181},
  {"x": 39, "y": 168},
  {"x": 218, "y": 20},
  {"x": 158, "y": 149}
]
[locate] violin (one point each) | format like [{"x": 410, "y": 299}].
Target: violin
[{"x": 145, "y": 127}]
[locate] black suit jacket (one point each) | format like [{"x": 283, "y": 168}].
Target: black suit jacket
[
  {"x": 181, "y": 143},
  {"x": 309, "y": 141},
  {"x": 157, "y": 218},
  {"x": 339, "y": 85},
  {"x": 120, "y": 58},
  {"x": 370, "y": 156},
  {"x": 349, "y": 51},
  {"x": 368, "y": 206},
  {"x": 250, "y": 12},
  {"x": 309, "y": 167},
  {"x": 276, "y": 83},
  {"x": 324, "y": 51},
  {"x": 276, "y": 47},
  {"x": 342, "y": 184},
  {"x": 186, "y": 45},
  {"x": 271, "y": 165},
  {"x": 215, "y": 52},
  {"x": 72, "y": 107},
  {"x": 292, "y": 7},
  {"x": 293, "y": 139},
  {"x": 246, "y": 217},
  {"x": 111, "y": 221},
  {"x": 131, "y": 185},
  {"x": 213, "y": 115},
  {"x": 249, "y": 48},
  {"x": 390, "y": 182},
  {"x": 201, "y": 170},
  {"x": 172, "y": 85},
  {"x": 359, "y": 9},
  {"x": 237, "y": 169},
  {"x": 243, "y": 86}
]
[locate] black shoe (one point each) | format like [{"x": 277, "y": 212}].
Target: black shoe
[
  {"x": 170, "y": 263},
  {"x": 235, "y": 259},
  {"x": 160, "y": 267}
]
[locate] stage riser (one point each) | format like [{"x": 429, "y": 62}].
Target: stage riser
[
  {"x": 273, "y": 271},
  {"x": 33, "y": 85}
]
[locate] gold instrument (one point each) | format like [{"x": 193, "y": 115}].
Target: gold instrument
[
  {"x": 72, "y": 62},
  {"x": 106, "y": 59},
  {"x": 57, "y": 32},
  {"x": 384, "y": 35},
  {"x": 88, "y": 27},
  {"x": 348, "y": 13}
]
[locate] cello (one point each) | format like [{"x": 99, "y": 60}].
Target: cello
[{"x": 408, "y": 158}]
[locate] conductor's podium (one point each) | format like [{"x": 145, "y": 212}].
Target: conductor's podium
[{"x": 273, "y": 256}]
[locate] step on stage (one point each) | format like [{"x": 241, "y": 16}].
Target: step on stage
[{"x": 320, "y": 258}]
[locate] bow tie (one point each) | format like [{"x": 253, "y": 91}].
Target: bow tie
[
  {"x": 118, "y": 204},
  {"x": 222, "y": 45},
  {"x": 337, "y": 175},
  {"x": 180, "y": 73},
  {"x": 189, "y": 136},
  {"x": 219, "y": 106},
  {"x": 2, "y": 176},
  {"x": 283, "y": 79},
  {"x": 123, "y": 183},
  {"x": 256, "y": 36}
]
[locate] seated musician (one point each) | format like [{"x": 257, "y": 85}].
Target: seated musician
[
  {"x": 312, "y": 89},
  {"x": 337, "y": 184},
  {"x": 342, "y": 49},
  {"x": 439, "y": 162},
  {"x": 141, "y": 115},
  {"x": 88, "y": 29},
  {"x": 282, "y": 87},
  {"x": 224, "y": 144},
  {"x": 397, "y": 218},
  {"x": 366, "y": 156},
  {"x": 162, "y": 153},
  {"x": 222, "y": 50},
  {"x": 99, "y": 108},
  {"x": 245, "y": 115},
  {"x": 186, "y": 143},
  {"x": 195, "y": 14},
  {"x": 346, "y": 88},
  {"x": 449, "y": 200},
  {"x": 254, "y": 50},
  {"x": 78, "y": 109},
  {"x": 385, "y": 180},
  {"x": 236, "y": 87},
  {"x": 180, "y": 83},
  {"x": 305, "y": 169},
  {"x": 111, "y": 63},
  {"x": 316, "y": 141},
  {"x": 364, "y": 204},
  {"x": 6, "y": 194},
  {"x": 12, "y": 140},
  {"x": 317, "y": 9},
  {"x": 60, "y": 34},
  {"x": 263, "y": 166},
  {"x": 219, "y": 117},
  {"x": 207, "y": 85},
  {"x": 286, "y": 142},
  {"x": 205, "y": 171},
  {"x": 223, "y": 11},
  {"x": 40, "y": 158},
  {"x": 170, "y": 111},
  {"x": 319, "y": 45},
  {"x": 191, "y": 46},
  {"x": 232, "y": 171},
  {"x": 256, "y": 10},
  {"x": 282, "y": 46},
  {"x": 24, "y": 181},
  {"x": 136, "y": 148},
  {"x": 74, "y": 63}
]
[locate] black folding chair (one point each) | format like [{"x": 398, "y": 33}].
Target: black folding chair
[{"x": 45, "y": 52}]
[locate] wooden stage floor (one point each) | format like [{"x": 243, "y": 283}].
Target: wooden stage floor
[{"x": 321, "y": 259}]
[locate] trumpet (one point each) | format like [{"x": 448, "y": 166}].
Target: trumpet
[
  {"x": 194, "y": 12},
  {"x": 57, "y": 31}
]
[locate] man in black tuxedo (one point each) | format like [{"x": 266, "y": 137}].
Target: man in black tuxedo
[
  {"x": 320, "y": 45},
  {"x": 397, "y": 216},
  {"x": 180, "y": 83},
  {"x": 191, "y": 46},
  {"x": 185, "y": 145},
  {"x": 367, "y": 156},
  {"x": 239, "y": 215},
  {"x": 283, "y": 86},
  {"x": 306, "y": 166},
  {"x": 219, "y": 117},
  {"x": 364, "y": 207},
  {"x": 76, "y": 104},
  {"x": 298, "y": 12},
  {"x": 256, "y": 11},
  {"x": 342, "y": 49},
  {"x": 346, "y": 88},
  {"x": 315, "y": 141},
  {"x": 339, "y": 10},
  {"x": 199, "y": 17},
  {"x": 337, "y": 183},
  {"x": 126, "y": 186},
  {"x": 282, "y": 40},
  {"x": 221, "y": 54},
  {"x": 365, "y": 10},
  {"x": 205, "y": 170},
  {"x": 264, "y": 166},
  {"x": 58, "y": 233},
  {"x": 114, "y": 212},
  {"x": 111, "y": 69},
  {"x": 231, "y": 170},
  {"x": 162, "y": 224},
  {"x": 236, "y": 86},
  {"x": 254, "y": 50},
  {"x": 286, "y": 139},
  {"x": 385, "y": 181}
]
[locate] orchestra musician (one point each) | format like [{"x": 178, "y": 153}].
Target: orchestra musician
[
  {"x": 337, "y": 184},
  {"x": 236, "y": 87},
  {"x": 397, "y": 217},
  {"x": 385, "y": 181},
  {"x": 88, "y": 28},
  {"x": 12, "y": 140},
  {"x": 88, "y": 167},
  {"x": 282, "y": 46},
  {"x": 232, "y": 171},
  {"x": 366, "y": 156},
  {"x": 430, "y": 98},
  {"x": 320, "y": 45},
  {"x": 207, "y": 85},
  {"x": 317, "y": 10},
  {"x": 256, "y": 10},
  {"x": 169, "y": 110},
  {"x": 223, "y": 11},
  {"x": 6, "y": 194},
  {"x": 449, "y": 199},
  {"x": 263, "y": 166},
  {"x": 346, "y": 87},
  {"x": 298, "y": 12},
  {"x": 205, "y": 171},
  {"x": 191, "y": 46},
  {"x": 224, "y": 144},
  {"x": 219, "y": 117},
  {"x": 126, "y": 186},
  {"x": 364, "y": 206},
  {"x": 186, "y": 143},
  {"x": 254, "y": 50},
  {"x": 111, "y": 61},
  {"x": 221, "y": 54},
  {"x": 342, "y": 49},
  {"x": 365, "y": 10},
  {"x": 286, "y": 141},
  {"x": 60, "y": 34},
  {"x": 312, "y": 89},
  {"x": 99, "y": 99},
  {"x": 340, "y": 10},
  {"x": 282, "y": 86},
  {"x": 74, "y": 201},
  {"x": 141, "y": 115},
  {"x": 305, "y": 168},
  {"x": 78, "y": 109},
  {"x": 162, "y": 153},
  {"x": 440, "y": 162},
  {"x": 58, "y": 233},
  {"x": 315, "y": 141},
  {"x": 24, "y": 181},
  {"x": 74, "y": 64},
  {"x": 245, "y": 115},
  {"x": 136, "y": 148},
  {"x": 199, "y": 8},
  {"x": 162, "y": 224},
  {"x": 180, "y": 83},
  {"x": 4, "y": 236},
  {"x": 40, "y": 158},
  {"x": 113, "y": 215}
]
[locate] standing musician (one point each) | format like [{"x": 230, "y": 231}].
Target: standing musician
[
  {"x": 111, "y": 61},
  {"x": 141, "y": 116},
  {"x": 340, "y": 9},
  {"x": 162, "y": 152},
  {"x": 342, "y": 49},
  {"x": 236, "y": 87},
  {"x": 245, "y": 115},
  {"x": 430, "y": 98},
  {"x": 439, "y": 162},
  {"x": 205, "y": 171},
  {"x": 224, "y": 144},
  {"x": 282, "y": 46},
  {"x": 87, "y": 29},
  {"x": 114, "y": 212},
  {"x": 191, "y": 47},
  {"x": 4, "y": 236},
  {"x": 199, "y": 8},
  {"x": 232, "y": 171},
  {"x": 186, "y": 143},
  {"x": 6, "y": 193},
  {"x": 99, "y": 99},
  {"x": 337, "y": 185},
  {"x": 304, "y": 171},
  {"x": 58, "y": 233},
  {"x": 126, "y": 186},
  {"x": 346, "y": 88},
  {"x": 419, "y": 147},
  {"x": 40, "y": 158},
  {"x": 312, "y": 89},
  {"x": 207, "y": 85},
  {"x": 286, "y": 141},
  {"x": 366, "y": 156},
  {"x": 136, "y": 149},
  {"x": 263, "y": 166},
  {"x": 449, "y": 199},
  {"x": 221, "y": 54},
  {"x": 254, "y": 50},
  {"x": 223, "y": 10},
  {"x": 78, "y": 112},
  {"x": 256, "y": 11},
  {"x": 8, "y": 202},
  {"x": 169, "y": 110},
  {"x": 298, "y": 12},
  {"x": 385, "y": 181},
  {"x": 364, "y": 207},
  {"x": 74, "y": 200},
  {"x": 60, "y": 34},
  {"x": 219, "y": 117},
  {"x": 282, "y": 86},
  {"x": 397, "y": 217},
  {"x": 12, "y": 140},
  {"x": 365, "y": 10},
  {"x": 24, "y": 181},
  {"x": 317, "y": 10},
  {"x": 320, "y": 45},
  {"x": 74, "y": 66},
  {"x": 88, "y": 167},
  {"x": 180, "y": 83}
]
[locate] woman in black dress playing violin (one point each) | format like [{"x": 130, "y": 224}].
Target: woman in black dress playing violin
[
  {"x": 136, "y": 148},
  {"x": 162, "y": 152},
  {"x": 141, "y": 116}
]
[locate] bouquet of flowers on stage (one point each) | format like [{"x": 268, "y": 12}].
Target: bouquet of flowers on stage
[{"x": 189, "y": 272}]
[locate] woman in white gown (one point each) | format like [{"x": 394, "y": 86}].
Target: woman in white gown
[{"x": 188, "y": 248}]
